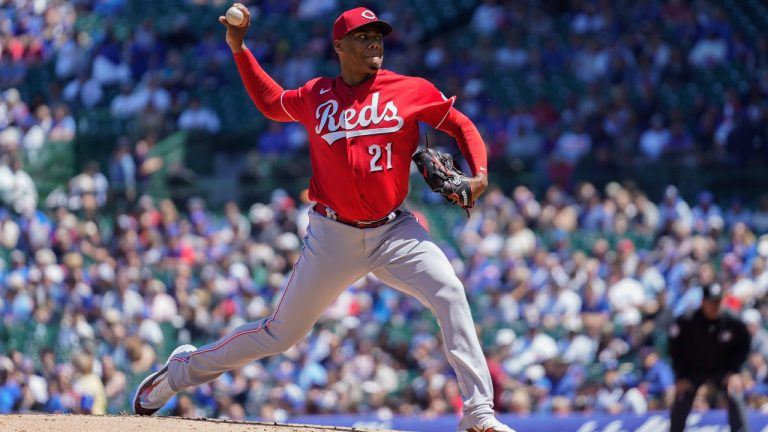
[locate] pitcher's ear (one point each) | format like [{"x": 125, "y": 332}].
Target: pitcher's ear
[{"x": 337, "y": 46}]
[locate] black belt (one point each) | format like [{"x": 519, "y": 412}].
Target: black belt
[{"x": 330, "y": 214}]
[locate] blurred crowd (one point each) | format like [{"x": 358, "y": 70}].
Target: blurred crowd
[
  {"x": 31, "y": 32},
  {"x": 139, "y": 77},
  {"x": 551, "y": 85},
  {"x": 597, "y": 278},
  {"x": 572, "y": 294},
  {"x": 572, "y": 289},
  {"x": 641, "y": 99}
]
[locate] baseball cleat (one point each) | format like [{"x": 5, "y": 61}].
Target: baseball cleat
[
  {"x": 155, "y": 390},
  {"x": 490, "y": 425}
]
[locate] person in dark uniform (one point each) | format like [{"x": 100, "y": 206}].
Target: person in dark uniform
[{"x": 708, "y": 345}]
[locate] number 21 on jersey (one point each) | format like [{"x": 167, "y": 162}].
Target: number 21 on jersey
[{"x": 375, "y": 151}]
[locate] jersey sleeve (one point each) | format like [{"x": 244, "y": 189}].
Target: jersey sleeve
[
  {"x": 294, "y": 102},
  {"x": 434, "y": 109},
  {"x": 270, "y": 98},
  {"x": 431, "y": 106},
  {"x": 263, "y": 90}
]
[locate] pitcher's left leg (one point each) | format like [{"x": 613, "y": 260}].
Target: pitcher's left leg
[{"x": 412, "y": 263}]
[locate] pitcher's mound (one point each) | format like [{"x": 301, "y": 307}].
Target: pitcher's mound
[{"x": 126, "y": 423}]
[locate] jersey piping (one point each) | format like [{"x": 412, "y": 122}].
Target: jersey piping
[{"x": 283, "y": 105}]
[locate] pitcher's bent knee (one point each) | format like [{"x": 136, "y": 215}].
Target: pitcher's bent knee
[{"x": 451, "y": 294}]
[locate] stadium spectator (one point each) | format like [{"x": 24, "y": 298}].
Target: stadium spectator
[
  {"x": 93, "y": 397},
  {"x": 36, "y": 133},
  {"x": 108, "y": 65},
  {"x": 570, "y": 147},
  {"x": 655, "y": 141},
  {"x": 71, "y": 55},
  {"x": 488, "y": 17},
  {"x": 151, "y": 121},
  {"x": 150, "y": 93},
  {"x": 705, "y": 212},
  {"x": 199, "y": 118},
  {"x": 83, "y": 91},
  {"x": 63, "y": 127},
  {"x": 657, "y": 381},
  {"x": 17, "y": 188},
  {"x": 122, "y": 171},
  {"x": 753, "y": 319},
  {"x": 90, "y": 182},
  {"x": 124, "y": 105},
  {"x": 709, "y": 51},
  {"x": 115, "y": 383}
]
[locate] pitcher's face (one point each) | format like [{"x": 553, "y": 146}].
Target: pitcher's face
[{"x": 361, "y": 50}]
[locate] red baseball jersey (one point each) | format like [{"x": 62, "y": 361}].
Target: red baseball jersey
[{"x": 362, "y": 138}]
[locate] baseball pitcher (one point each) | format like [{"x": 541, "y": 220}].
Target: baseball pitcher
[{"x": 363, "y": 129}]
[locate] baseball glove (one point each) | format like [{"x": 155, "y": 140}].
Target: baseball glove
[{"x": 443, "y": 177}]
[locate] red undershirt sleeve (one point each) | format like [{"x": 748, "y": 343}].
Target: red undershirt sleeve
[
  {"x": 263, "y": 90},
  {"x": 471, "y": 144}
]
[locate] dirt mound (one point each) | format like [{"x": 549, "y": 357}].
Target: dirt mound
[{"x": 126, "y": 423}]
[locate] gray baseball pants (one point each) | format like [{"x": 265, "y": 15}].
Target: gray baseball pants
[{"x": 334, "y": 256}]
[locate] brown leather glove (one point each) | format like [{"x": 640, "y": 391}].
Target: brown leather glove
[{"x": 443, "y": 177}]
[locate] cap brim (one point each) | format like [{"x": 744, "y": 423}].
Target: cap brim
[{"x": 383, "y": 26}]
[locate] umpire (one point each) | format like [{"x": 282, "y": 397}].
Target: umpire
[{"x": 708, "y": 345}]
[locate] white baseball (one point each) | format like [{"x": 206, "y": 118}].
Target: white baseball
[{"x": 235, "y": 16}]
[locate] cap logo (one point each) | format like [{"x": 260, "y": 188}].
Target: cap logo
[{"x": 368, "y": 14}]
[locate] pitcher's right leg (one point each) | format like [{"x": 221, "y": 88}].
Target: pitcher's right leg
[
  {"x": 411, "y": 262},
  {"x": 328, "y": 264}
]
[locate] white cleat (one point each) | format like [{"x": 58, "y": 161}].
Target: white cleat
[
  {"x": 155, "y": 390},
  {"x": 490, "y": 425}
]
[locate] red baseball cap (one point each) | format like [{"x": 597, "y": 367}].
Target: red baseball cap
[{"x": 358, "y": 17}]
